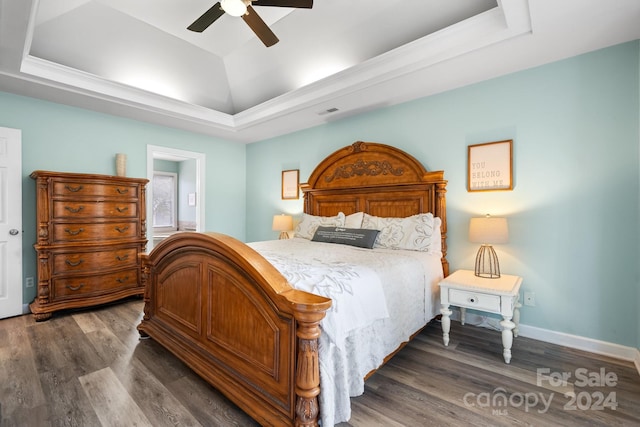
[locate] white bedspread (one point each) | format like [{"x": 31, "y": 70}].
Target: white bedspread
[
  {"x": 380, "y": 298},
  {"x": 355, "y": 290}
]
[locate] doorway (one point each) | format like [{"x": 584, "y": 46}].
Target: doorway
[{"x": 196, "y": 196}]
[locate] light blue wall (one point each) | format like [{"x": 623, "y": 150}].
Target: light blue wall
[
  {"x": 165, "y": 166},
  {"x": 574, "y": 211},
  {"x": 188, "y": 177},
  {"x": 61, "y": 138}
]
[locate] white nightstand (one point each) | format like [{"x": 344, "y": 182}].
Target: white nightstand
[{"x": 465, "y": 290}]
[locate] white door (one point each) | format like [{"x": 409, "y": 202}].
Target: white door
[{"x": 10, "y": 222}]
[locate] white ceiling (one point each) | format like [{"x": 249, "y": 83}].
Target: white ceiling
[{"x": 137, "y": 59}]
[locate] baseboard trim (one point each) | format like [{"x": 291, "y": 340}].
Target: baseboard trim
[
  {"x": 582, "y": 343},
  {"x": 591, "y": 345}
]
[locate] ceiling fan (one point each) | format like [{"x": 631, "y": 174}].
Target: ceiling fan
[{"x": 243, "y": 8}]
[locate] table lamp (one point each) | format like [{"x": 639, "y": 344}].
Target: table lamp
[
  {"x": 488, "y": 230},
  {"x": 282, "y": 223}
]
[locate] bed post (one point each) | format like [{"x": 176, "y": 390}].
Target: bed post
[
  {"x": 144, "y": 278},
  {"x": 441, "y": 212},
  {"x": 308, "y": 317}
]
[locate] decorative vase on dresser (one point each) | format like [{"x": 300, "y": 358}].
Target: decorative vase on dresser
[{"x": 91, "y": 229}]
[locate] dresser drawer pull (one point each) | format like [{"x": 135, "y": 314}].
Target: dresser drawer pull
[
  {"x": 122, "y": 258},
  {"x": 119, "y": 280},
  {"x": 122, "y": 229},
  {"x": 74, "y": 232},
  {"x": 126, "y": 208},
  {"x": 73, "y": 264},
  {"x": 122, "y": 191},
  {"x": 74, "y": 189},
  {"x": 74, "y": 210},
  {"x": 75, "y": 288}
]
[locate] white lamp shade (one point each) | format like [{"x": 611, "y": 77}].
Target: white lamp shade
[
  {"x": 488, "y": 230},
  {"x": 282, "y": 223}
]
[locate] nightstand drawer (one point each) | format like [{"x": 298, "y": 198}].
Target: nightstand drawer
[{"x": 475, "y": 300}]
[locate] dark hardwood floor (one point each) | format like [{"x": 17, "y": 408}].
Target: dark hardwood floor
[{"x": 89, "y": 368}]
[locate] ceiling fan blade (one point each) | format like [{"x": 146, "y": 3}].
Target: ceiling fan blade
[
  {"x": 207, "y": 18},
  {"x": 306, "y": 4},
  {"x": 259, "y": 27}
]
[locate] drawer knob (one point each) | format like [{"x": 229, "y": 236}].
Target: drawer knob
[
  {"x": 122, "y": 190},
  {"x": 121, "y": 210},
  {"x": 122, "y": 229},
  {"x": 473, "y": 300},
  {"x": 75, "y": 288},
  {"x": 122, "y": 258},
  {"x": 120, "y": 280}
]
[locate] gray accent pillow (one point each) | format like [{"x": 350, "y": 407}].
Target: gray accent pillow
[{"x": 358, "y": 237}]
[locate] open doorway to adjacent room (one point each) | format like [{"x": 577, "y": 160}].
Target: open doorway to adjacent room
[{"x": 175, "y": 193}]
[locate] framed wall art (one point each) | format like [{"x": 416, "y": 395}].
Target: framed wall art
[
  {"x": 290, "y": 184},
  {"x": 490, "y": 166}
]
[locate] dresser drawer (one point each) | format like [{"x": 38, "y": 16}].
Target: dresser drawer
[
  {"x": 94, "y": 209},
  {"x": 78, "y": 262},
  {"x": 475, "y": 300},
  {"x": 80, "y": 287},
  {"x": 78, "y": 232},
  {"x": 79, "y": 189}
]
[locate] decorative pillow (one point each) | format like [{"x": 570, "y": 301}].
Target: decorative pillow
[
  {"x": 354, "y": 220},
  {"x": 413, "y": 233},
  {"x": 307, "y": 226},
  {"x": 346, "y": 236}
]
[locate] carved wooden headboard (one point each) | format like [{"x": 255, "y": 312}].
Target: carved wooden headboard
[{"x": 377, "y": 179}]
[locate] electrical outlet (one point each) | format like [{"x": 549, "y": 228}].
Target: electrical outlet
[
  {"x": 29, "y": 282},
  {"x": 529, "y": 298}
]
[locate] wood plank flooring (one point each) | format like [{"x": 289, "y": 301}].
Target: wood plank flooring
[{"x": 89, "y": 368}]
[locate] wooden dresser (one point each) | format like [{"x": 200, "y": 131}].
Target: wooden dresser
[{"x": 91, "y": 229}]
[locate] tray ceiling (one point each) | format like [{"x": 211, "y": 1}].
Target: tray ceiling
[{"x": 137, "y": 59}]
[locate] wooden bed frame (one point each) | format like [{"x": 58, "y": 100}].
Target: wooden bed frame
[{"x": 227, "y": 313}]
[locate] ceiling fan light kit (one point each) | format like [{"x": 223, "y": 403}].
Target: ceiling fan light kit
[
  {"x": 234, "y": 7},
  {"x": 244, "y": 9}
]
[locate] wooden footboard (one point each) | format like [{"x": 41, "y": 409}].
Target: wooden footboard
[{"x": 227, "y": 313}]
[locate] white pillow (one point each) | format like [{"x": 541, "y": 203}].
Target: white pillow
[
  {"x": 354, "y": 220},
  {"x": 309, "y": 223},
  {"x": 415, "y": 233}
]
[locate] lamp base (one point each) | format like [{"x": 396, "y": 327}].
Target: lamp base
[
  {"x": 487, "y": 265},
  {"x": 283, "y": 235}
]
